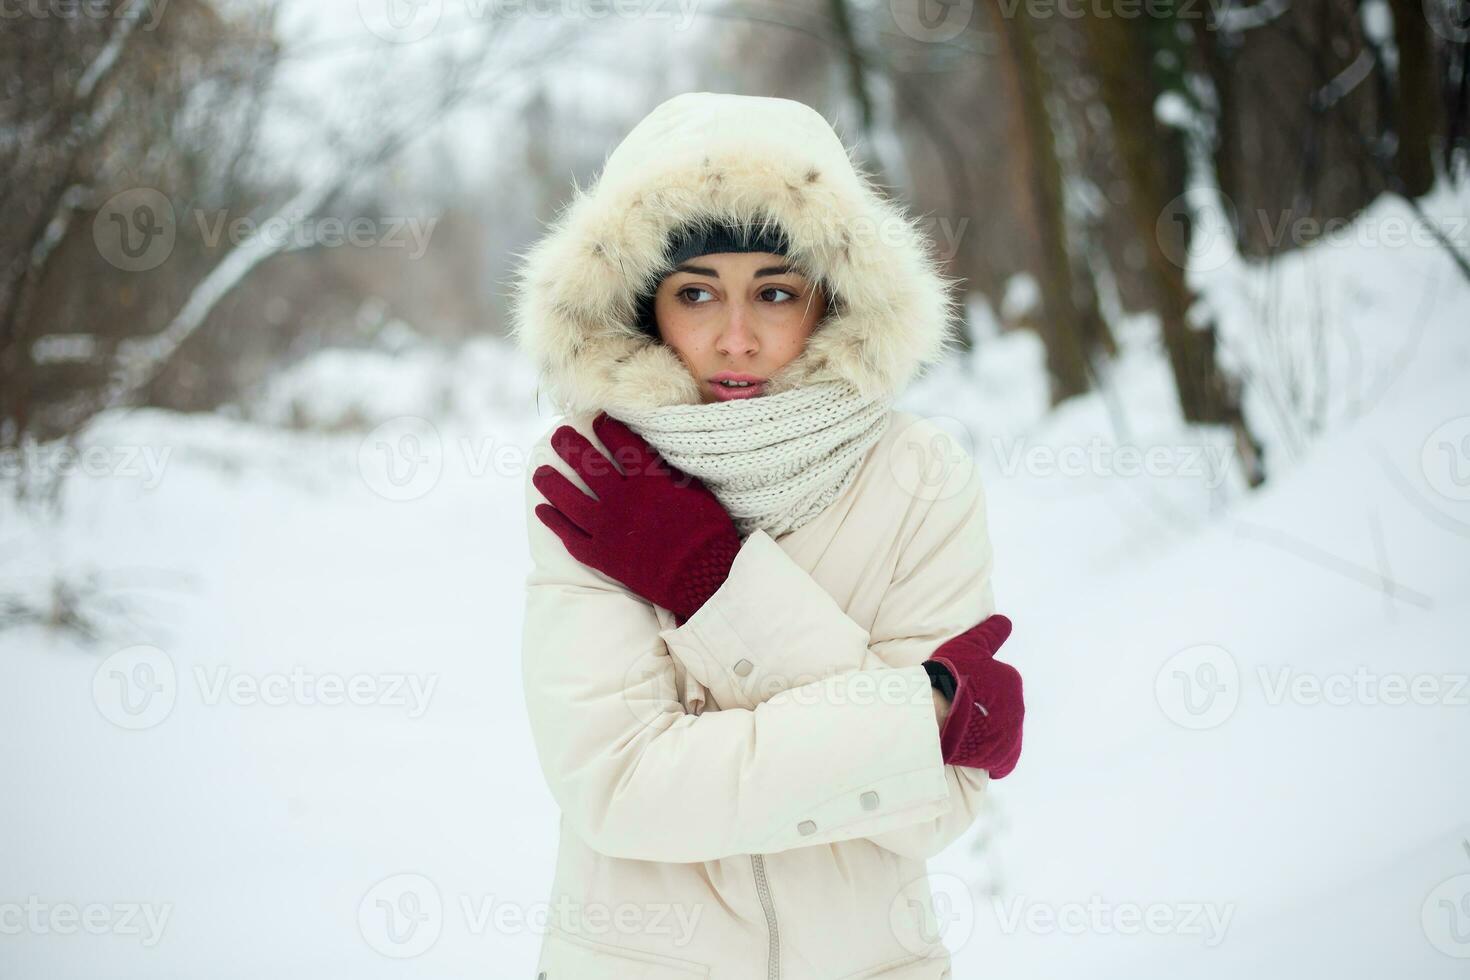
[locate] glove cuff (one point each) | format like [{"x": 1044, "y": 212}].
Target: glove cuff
[{"x": 705, "y": 570}]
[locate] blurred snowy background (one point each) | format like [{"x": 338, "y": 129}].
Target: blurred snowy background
[{"x": 262, "y": 446}]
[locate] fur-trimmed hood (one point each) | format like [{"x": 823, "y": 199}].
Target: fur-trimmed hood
[{"x": 706, "y": 156}]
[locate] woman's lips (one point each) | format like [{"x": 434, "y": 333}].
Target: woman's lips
[{"x": 729, "y": 394}]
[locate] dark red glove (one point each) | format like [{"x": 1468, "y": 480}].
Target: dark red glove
[
  {"x": 983, "y": 730},
  {"x": 657, "y": 530}
]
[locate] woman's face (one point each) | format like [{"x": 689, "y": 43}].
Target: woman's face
[{"x": 736, "y": 316}]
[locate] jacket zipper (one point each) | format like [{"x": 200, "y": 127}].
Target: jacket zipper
[{"x": 773, "y": 948}]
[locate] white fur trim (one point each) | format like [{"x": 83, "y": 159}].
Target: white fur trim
[{"x": 733, "y": 158}]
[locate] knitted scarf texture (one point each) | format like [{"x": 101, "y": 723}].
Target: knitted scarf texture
[{"x": 774, "y": 461}]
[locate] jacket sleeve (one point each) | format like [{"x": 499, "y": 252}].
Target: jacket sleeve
[
  {"x": 771, "y": 627},
  {"x": 850, "y": 755}
]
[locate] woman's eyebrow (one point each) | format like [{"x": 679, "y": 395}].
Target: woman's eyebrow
[{"x": 700, "y": 270}]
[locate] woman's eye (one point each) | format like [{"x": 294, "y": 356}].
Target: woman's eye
[
  {"x": 694, "y": 289},
  {"x": 775, "y": 289}
]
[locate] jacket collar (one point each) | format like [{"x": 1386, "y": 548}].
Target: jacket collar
[{"x": 742, "y": 159}]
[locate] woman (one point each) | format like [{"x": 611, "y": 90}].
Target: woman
[{"x": 757, "y": 587}]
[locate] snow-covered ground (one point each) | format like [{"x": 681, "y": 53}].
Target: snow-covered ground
[{"x": 1248, "y": 712}]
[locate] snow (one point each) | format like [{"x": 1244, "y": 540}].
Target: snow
[
  {"x": 1022, "y": 296},
  {"x": 1172, "y": 109},
  {"x": 327, "y": 592}
]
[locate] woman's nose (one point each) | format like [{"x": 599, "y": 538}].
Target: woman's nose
[{"x": 737, "y": 337}]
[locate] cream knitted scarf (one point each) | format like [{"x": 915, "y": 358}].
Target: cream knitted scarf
[{"x": 774, "y": 461}]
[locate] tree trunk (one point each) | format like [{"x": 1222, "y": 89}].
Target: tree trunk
[
  {"x": 1154, "y": 162},
  {"x": 1418, "y": 112},
  {"x": 1070, "y": 323}
]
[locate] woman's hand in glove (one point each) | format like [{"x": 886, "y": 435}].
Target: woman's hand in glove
[
  {"x": 657, "y": 530},
  {"x": 983, "y": 728}
]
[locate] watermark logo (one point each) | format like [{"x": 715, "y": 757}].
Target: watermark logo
[
  {"x": 649, "y": 686},
  {"x": 1194, "y": 228},
  {"x": 301, "y": 687},
  {"x": 939, "y": 233},
  {"x": 1210, "y": 12},
  {"x": 1198, "y": 687},
  {"x": 405, "y": 21},
  {"x": 136, "y": 687},
  {"x": 400, "y": 21},
  {"x": 1450, "y": 19},
  {"x": 145, "y": 920},
  {"x": 1209, "y": 464},
  {"x": 143, "y": 463},
  {"x": 1201, "y": 686},
  {"x": 932, "y": 458},
  {"x": 144, "y": 13},
  {"x": 1363, "y": 686},
  {"x": 1445, "y": 459},
  {"x": 405, "y": 914},
  {"x": 674, "y": 921},
  {"x": 932, "y": 21},
  {"x": 1445, "y": 917},
  {"x": 135, "y": 230},
  {"x": 1207, "y": 921},
  {"x": 285, "y": 231},
  {"x": 1197, "y": 229},
  {"x": 401, "y": 916},
  {"x": 936, "y": 909},
  {"x": 402, "y": 459}
]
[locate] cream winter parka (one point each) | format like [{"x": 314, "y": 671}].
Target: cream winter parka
[{"x": 752, "y": 794}]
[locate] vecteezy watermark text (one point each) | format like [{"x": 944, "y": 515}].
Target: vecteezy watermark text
[
  {"x": 40, "y": 918},
  {"x": 138, "y": 686},
  {"x": 1201, "y": 686},
  {"x": 1207, "y": 463},
  {"x": 403, "y": 916}
]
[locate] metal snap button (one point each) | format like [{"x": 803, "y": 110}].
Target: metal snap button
[
  {"x": 743, "y": 667},
  {"x": 869, "y": 800},
  {"x": 806, "y": 827}
]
